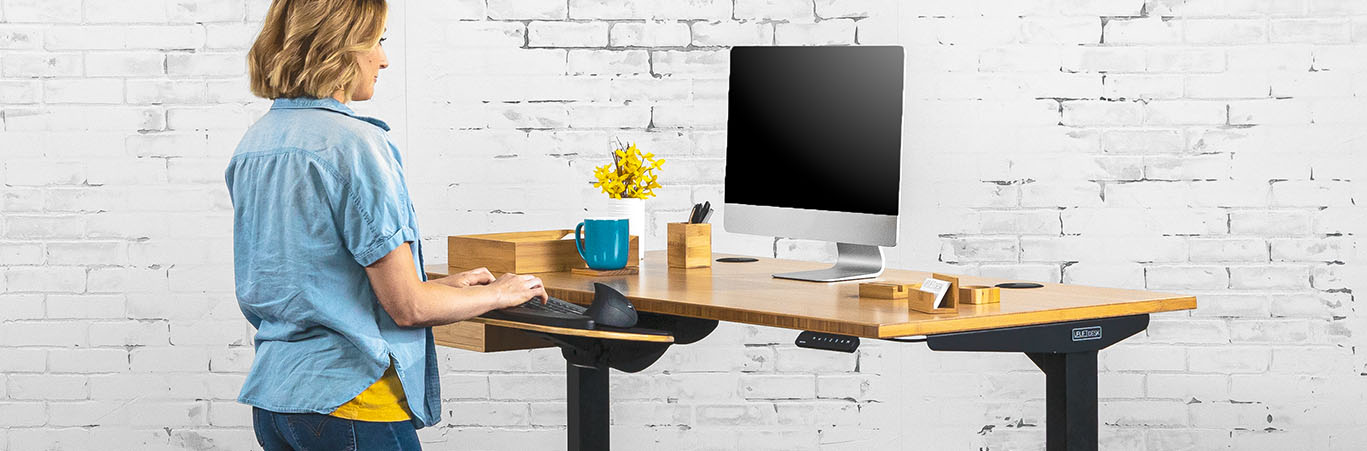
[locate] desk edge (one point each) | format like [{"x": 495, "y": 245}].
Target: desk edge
[{"x": 952, "y": 324}]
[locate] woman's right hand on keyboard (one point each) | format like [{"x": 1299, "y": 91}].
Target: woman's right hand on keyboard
[{"x": 515, "y": 289}]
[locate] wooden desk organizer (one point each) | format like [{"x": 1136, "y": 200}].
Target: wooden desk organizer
[
  {"x": 925, "y": 302},
  {"x": 521, "y": 252},
  {"x": 886, "y": 290},
  {"x": 979, "y": 294},
  {"x": 917, "y": 300},
  {"x": 690, "y": 245}
]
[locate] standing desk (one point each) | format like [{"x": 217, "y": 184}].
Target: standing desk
[{"x": 1059, "y": 327}]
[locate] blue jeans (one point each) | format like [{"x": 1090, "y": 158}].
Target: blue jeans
[{"x": 315, "y": 431}]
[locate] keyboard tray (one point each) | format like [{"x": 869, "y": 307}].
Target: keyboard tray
[{"x": 631, "y": 334}]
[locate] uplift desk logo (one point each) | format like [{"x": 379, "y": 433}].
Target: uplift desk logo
[{"x": 1087, "y": 333}]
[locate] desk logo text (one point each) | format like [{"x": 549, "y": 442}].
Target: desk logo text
[{"x": 1087, "y": 333}]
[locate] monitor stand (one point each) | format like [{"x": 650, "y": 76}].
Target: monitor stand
[{"x": 852, "y": 261}]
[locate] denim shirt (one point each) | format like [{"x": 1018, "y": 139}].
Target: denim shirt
[{"x": 318, "y": 194}]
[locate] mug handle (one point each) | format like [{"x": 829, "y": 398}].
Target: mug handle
[{"x": 579, "y": 240}]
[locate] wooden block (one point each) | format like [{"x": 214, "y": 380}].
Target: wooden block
[
  {"x": 627, "y": 271},
  {"x": 521, "y": 252},
  {"x": 690, "y": 245},
  {"x": 886, "y": 290},
  {"x": 979, "y": 294},
  {"x": 924, "y": 302}
]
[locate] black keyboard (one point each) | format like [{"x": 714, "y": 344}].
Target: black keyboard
[
  {"x": 556, "y": 313},
  {"x": 554, "y": 305}
]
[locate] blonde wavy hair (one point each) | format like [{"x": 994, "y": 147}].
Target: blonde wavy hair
[{"x": 308, "y": 48}]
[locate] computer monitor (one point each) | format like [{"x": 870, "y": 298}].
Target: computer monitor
[{"x": 813, "y": 151}]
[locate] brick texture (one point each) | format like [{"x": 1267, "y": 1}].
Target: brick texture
[{"x": 1202, "y": 147}]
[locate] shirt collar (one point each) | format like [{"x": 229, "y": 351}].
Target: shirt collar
[{"x": 330, "y": 104}]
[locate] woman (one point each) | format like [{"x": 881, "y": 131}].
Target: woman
[{"x": 326, "y": 247}]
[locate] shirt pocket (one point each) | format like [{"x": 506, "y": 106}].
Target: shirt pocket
[{"x": 313, "y": 431}]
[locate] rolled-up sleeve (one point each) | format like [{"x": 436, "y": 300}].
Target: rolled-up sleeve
[{"x": 372, "y": 214}]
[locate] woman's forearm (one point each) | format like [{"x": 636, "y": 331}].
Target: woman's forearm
[
  {"x": 437, "y": 304},
  {"x": 412, "y": 302}
]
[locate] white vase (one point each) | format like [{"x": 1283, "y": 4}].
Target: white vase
[{"x": 634, "y": 210}]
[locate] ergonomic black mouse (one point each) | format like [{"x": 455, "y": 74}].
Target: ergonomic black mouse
[{"x": 611, "y": 308}]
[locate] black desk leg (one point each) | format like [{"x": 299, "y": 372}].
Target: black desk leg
[
  {"x": 1066, "y": 352},
  {"x": 1070, "y": 399},
  {"x": 587, "y": 362},
  {"x": 588, "y": 413}
]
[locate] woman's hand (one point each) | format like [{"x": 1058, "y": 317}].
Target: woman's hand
[
  {"x": 514, "y": 289},
  {"x": 474, "y": 277}
]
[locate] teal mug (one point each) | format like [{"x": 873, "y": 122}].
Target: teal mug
[{"x": 603, "y": 243}]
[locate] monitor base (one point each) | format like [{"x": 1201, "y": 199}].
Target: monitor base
[{"x": 852, "y": 262}]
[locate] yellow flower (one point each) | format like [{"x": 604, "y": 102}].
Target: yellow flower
[{"x": 631, "y": 174}]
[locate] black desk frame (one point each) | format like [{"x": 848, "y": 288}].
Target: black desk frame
[
  {"x": 1066, "y": 352},
  {"x": 588, "y": 361}
]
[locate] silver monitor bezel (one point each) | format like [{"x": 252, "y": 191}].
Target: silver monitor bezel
[{"x": 822, "y": 225}]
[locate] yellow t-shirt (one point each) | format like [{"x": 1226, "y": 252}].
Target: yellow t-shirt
[{"x": 383, "y": 401}]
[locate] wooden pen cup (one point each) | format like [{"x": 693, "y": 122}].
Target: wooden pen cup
[{"x": 690, "y": 245}]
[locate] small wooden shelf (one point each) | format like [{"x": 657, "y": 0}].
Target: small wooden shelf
[{"x": 522, "y": 252}]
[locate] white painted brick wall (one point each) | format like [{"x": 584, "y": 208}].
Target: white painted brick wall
[{"x": 1202, "y": 147}]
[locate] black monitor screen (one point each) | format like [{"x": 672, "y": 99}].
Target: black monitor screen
[{"x": 817, "y": 128}]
